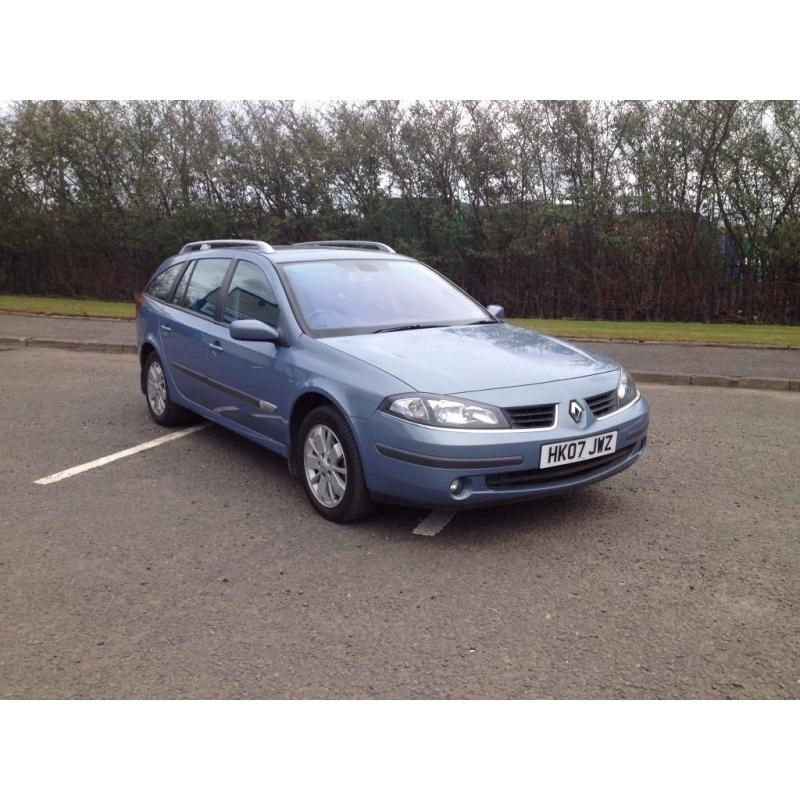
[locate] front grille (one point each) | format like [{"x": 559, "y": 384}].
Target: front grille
[
  {"x": 501, "y": 480},
  {"x": 531, "y": 416},
  {"x": 602, "y": 404}
]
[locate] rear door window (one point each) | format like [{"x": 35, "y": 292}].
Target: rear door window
[
  {"x": 204, "y": 285},
  {"x": 160, "y": 286},
  {"x": 250, "y": 296}
]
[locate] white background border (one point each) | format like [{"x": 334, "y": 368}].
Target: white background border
[
  {"x": 404, "y": 749},
  {"x": 409, "y": 49}
]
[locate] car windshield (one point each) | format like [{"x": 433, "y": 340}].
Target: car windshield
[{"x": 361, "y": 296}]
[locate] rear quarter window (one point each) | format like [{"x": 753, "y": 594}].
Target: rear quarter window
[
  {"x": 160, "y": 286},
  {"x": 180, "y": 290}
]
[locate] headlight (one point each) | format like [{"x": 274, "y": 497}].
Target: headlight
[
  {"x": 626, "y": 390},
  {"x": 444, "y": 412}
]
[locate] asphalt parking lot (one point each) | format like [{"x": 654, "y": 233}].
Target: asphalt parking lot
[{"x": 198, "y": 569}]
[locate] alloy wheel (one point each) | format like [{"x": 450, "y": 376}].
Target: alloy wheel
[
  {"x": 156, "y": 389},
  {"x": 325, "y": 466}
]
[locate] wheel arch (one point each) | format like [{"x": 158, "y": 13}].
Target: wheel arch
[
  {"x": 144, "y": 353},
  {"x": 304, "y": 404}
]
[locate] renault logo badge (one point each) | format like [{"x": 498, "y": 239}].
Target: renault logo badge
[{"x": 575, "y": 410}]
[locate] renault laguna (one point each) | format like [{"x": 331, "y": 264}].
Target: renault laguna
[{"x": 377, "y": 378}]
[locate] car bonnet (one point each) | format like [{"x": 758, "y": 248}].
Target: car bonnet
[{"x": 452, "y": 360}]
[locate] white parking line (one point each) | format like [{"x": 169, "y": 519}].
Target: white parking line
[
  {"x": 434, "y": 523},
  {"x": 170, "y": 437}
]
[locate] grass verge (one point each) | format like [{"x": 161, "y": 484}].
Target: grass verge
[
  {"x": 67, "y": 306},
  {"x": 775, "y": 335}
]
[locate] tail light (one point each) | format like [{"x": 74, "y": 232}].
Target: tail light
[{"x": 139, "y": 300}]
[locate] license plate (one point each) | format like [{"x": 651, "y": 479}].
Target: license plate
[{"x": 560, "y": 453}]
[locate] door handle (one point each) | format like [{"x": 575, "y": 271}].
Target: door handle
[
  {"x": 216, "y": 348},
  {"x": 166, "y": 329}
]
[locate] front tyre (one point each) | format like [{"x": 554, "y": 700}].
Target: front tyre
[
  {"x": 331, "y": 468},
  {"x": 159, "y": 404}
]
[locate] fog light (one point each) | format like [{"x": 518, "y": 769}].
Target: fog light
[{"x": 455, "y": 486}]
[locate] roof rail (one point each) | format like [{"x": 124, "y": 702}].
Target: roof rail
[
  {"x": 209, "y": 244},
  {"x": 384, "y": 248}
]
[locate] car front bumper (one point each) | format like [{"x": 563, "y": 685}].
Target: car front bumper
[{"x": 416, "y": 464}]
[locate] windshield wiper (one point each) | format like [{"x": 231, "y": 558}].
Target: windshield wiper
[
  {"x": 484, "y": 322},
  {"x": 410, "y": 327}
]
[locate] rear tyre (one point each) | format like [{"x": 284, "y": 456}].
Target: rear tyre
[
  {"x": 330, "y": 467},
  {"x": 159, "y": 404}
]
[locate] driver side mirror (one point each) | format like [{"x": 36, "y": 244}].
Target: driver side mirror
[
  {"x": 253, "y": 330},
  {"x": 497, "y": 311}
]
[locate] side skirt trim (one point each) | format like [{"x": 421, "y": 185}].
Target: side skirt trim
[{"x": 223, "y": 387}]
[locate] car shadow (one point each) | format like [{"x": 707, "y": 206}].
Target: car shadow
[
  {"x": 571, "y": 516},
  {"x": 568, "y": 516}
]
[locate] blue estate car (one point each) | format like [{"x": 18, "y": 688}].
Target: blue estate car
[{"x": 377, "y": 378}]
